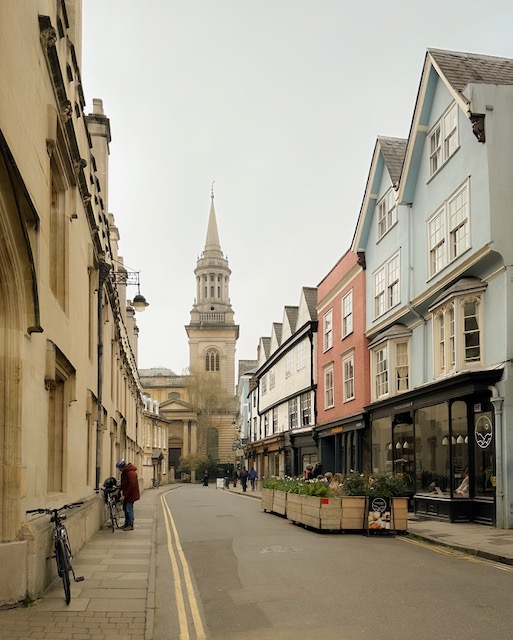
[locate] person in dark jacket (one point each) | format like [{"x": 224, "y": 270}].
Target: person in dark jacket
[
  {"x": 130, "y": 489},
  {"x": 253, "y": 477},
  {"x": 244, "y": 479},
  {"x": 205, "y": 478}
]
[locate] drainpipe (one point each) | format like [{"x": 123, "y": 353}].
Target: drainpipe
[
  {"x": 497, "y": 400},
  {"x": 103, "y": 274}
]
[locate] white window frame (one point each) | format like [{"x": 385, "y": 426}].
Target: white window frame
[
  {"x": 275, "y": 420},
  {"x": 292, "y": 409},
  {"x": 329, "y": 390},
  {"x": 387, "y": 213},
  {"x": 391, "y": 367},
  {"x": 387, "y": 285},
  {"x": 401, "y": 366},
  {"x": 301, "y": 355},
  {"x": 272, "y": 379},
  {"x": 448, "y": 230},
  {"x": 288, "y": 364},
  {"x": 328, "y": 329},
  {"x": 348, "y": 376},
  {"x": 264, "y": 385},
  {"x": 305, "y": 404},
  {"x": 347, "y": 314},
  {"x": 443, "y": 139},
  {"x": 454, "y": 342}
]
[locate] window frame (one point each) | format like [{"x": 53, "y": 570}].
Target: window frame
[
  {"x": 387, "y": 212},
  {"x": 327, "y": 324},
  {"x": 449, "y": 242},
  {"x": 348, "y": 386},
  {"x": 386, "y": 291},
  {"x": 347, "y": 314},
  {"x": 443, "y": 138},
  {"x": 450, "y": 336},
  {"x": 329, "y": 391}
]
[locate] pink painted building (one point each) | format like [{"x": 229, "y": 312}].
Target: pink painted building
[{"x": 343, "y": 370}]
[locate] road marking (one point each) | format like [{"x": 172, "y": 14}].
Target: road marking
[
  {"x": 458, "y": 555},
  {"x": 172, "y": 536}
]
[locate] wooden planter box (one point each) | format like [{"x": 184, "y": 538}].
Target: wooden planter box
[
  {"x": 321, "y": 513},
  {"x": 279, "y": 502},
  {"x": 347, "y": 513},
  {"x": 400, "y": 514},
  {"x": 267, "y": 499},
  {"x": 293, "y": 507},
  {"x": 353, "y": 512}
]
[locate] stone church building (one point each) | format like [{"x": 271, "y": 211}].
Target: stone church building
[{"x": 200, "y": 405}]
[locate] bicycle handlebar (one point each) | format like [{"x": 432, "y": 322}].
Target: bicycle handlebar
[{"x": 49, "y": 510}]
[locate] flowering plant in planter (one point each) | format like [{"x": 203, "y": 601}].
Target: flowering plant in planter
[
  {"x": 299, "y": 485},
  {"x": 384, "y": 485}
]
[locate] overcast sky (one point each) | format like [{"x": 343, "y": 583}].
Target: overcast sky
[{"x": 280, "y": 102}]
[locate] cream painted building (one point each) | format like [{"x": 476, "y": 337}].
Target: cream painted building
[
  {"x": 70, "y": 397},
  {"x": 201, "y": 405}
]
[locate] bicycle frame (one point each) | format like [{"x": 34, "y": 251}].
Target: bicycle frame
[{"x": 61, "y": 545}]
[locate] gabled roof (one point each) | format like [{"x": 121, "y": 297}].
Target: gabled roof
[
  {"x": 393, "y": 150},
  {"x": 389, "y": 154},
  {"x": 461, "y": 69},
  {"x": 291, "y": 314},
  {"x": 310, "y": 294},
  {"x": 247, "y": 366},
  {"x": 277, "y": 330},
  {"x": 456, "y": 70}
]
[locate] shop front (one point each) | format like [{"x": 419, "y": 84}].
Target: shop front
[
  {"x": 344, "y": 445},
  {"x": 443, "y": 444},
  {"x": 301, "y": 450},
  {"x": 266, "y": 456}
]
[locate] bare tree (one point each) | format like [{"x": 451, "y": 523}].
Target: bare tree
[{"x": 209, "y": 400}]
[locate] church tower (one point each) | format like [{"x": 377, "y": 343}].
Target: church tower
[{"x": 212, "y": 332}]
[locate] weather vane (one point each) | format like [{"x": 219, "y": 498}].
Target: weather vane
[{"x": 212, "y": 187}]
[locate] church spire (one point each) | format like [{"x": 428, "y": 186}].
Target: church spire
[
  {"x": 212, "y": 246},
  {"x": 213, "y": 275}
]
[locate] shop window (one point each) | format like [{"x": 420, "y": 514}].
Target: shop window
[
  {"x": 484, "y": 450},
  {"x": 432, "y": 448}
]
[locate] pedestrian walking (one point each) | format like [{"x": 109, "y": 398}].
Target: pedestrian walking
[
  {"x": 205, "y": 478},
  {"x": 253, "y": 477},
  {"x": 244, "y": 479},
  {"x": 130, "y": 489},
  {"x": 235, "y": 477}
]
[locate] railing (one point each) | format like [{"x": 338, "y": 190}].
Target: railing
[{"x": 212, "y": 317}]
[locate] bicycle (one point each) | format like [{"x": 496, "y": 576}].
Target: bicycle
[
  {"x": 61, "y": 545},
  {"x": 113, "y": 502}
]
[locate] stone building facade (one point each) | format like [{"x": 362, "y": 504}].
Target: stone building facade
[{"x": 70, "y": 397}]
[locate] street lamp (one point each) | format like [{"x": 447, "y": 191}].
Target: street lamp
[{"x": 130, "y": 278}]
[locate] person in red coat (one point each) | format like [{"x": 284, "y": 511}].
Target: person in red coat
[{"x": 130, "y": 490}]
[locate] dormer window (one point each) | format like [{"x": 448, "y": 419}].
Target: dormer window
[
  {"x": 443, "y": 140},
  {"x": 387, "y": 213}
]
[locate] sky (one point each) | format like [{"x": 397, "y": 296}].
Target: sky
[{"x": 280, "y": 103}]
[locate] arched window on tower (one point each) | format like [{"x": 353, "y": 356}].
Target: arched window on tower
[{"x": 212, "y": 360}]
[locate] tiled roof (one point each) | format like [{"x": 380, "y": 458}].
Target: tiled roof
[
  {"x": 278, "y": 328},
  {"x": 461, "y": 69},
  {"x": 393, "y": 150},
  {"x": 292, "y": 313},
  {"x": 246, "y": 366},
  {"x": 266, "y": 343},
  {"x": 311, "y": 301},
  {"x": 156, "y": 371}
]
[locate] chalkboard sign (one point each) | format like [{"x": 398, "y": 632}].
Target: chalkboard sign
[{"x": 380, "y": 515}]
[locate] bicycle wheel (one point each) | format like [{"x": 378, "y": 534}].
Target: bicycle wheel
[
  {"x": 116, "y": 512},
  {"x": 63, "y": 567},
  {"x": 112, "y": 515}
]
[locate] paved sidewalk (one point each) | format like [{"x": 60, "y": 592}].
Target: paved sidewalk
[{"x": 116, "y": 599}]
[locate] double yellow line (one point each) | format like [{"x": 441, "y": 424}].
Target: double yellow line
[{"x": 181, "y": 570}]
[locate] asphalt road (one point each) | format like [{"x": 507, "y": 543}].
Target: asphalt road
[{"x": 228, "y": 571}]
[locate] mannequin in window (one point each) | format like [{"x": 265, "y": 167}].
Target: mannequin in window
[{"x": 463, "y": 490}]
